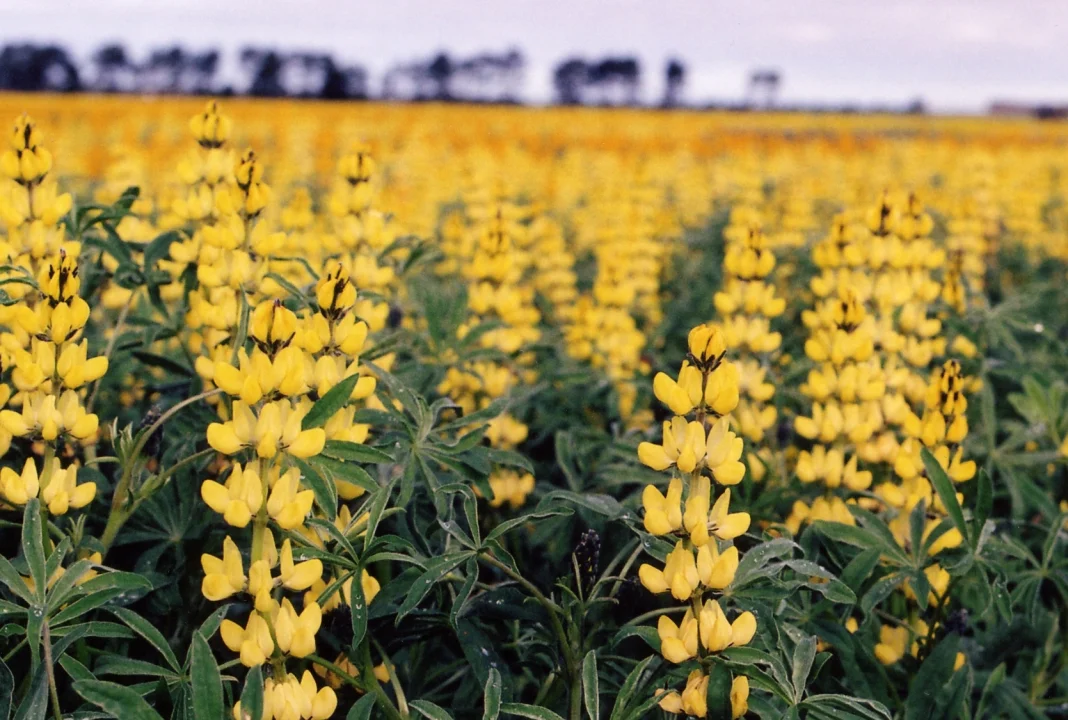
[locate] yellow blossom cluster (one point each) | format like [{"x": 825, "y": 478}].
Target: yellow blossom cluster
[
  {"x": 746, "y": 305},
  {"x": 42, "y": 340},
  {"x": 698, "y": 566}
]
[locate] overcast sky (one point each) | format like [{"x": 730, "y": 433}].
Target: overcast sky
[{"x": 956, "y": 54}]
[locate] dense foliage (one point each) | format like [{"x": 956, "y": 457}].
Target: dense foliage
[{"x": 461, "y": 412}]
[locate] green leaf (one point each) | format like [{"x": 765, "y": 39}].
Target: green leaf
[
  {"x": 860, "y": 569},
  {"x": 334, "y": 400},
  {"x": 996, "y": 677},
  {"x": 252, "y": 695},
  {"x": 590, "y": 689},
  {"x": 122, "y": 702},
  {"x": 35, "y": 701},
  {"x": 206, "y": 680},
  {"x": 844, "y": 707},
  {"x": 879, "y": 591},
  {"x": 529, "y": 711},
  {"x": 7, "y": 690},
  {"x": 462, "y": 595},
  {"x": 984, "y": 500},
  {"x": 85, "y": 604},
  {"x": 325, "y": 491},
  {"x": 65, "y": 587},
  {"x": 492, "y": 695},
  {"x": 159, "y": 248},
  {"x": 629, "y": 687},
  {"x": 75, "y": 670},
  {"x": 436, "y": 569},
  {"x": 827, "y": 584},
  {"x": 149, "y": 632},
  {"x": 860, "y": 537},
  {"x": 121, "y": 665},
  {"x": 929, "y": 681},
  {"x": 363, "y": 707},
  {"x": 601, "y": 504},
  {"x": 356, "y": 452},
  {"x": 718, "y": 695},
  {"x": 523, "y": 520},
  {"x": 209, "y": 627},
  {"x": 116, "y": 580},
  {"x": 377, "y": 506},
  {"x": 944, "y": 487},
  {"x": 10, "y": 577},
  {"x": 346, "y": 471},
  {"x": 509, "y": 458},
  {"x": 758, "y": 557},
  {"x": 166, "y": 363},
  {"x": 804, "y": 654},
  {"x": 646, "y": 633},
  {"x": 357, "y": 610},
  {"x": 33, "y": 547},
  {"x": 429, "y": 710}
]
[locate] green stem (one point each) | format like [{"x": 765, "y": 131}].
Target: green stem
[
  {"x": 368, "y": 671},
  {"x": 46, "y": 478},
  {"x": 158, "y": 481},
  {"x": 119, "y": 323},
  {"x": 394, "y": 681},
  {"x": 554, "y": 620},
  {"x": 120, "y": 508},
  {"x": 51, "y": 671},
  {"x": 259, "y": 526},
  {"x": 337, "y": 670},
  {"x": 14, "y": 650},
  {"x": 654, "y": 613},
  {"x": 576, "y": 694}
]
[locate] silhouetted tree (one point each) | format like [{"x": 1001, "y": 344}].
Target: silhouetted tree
[
  {"x": 763, "y": 88},
  {"x": 114, "y": 71},
  {"x": 199, "y": 73},
  {"x": 674, "y": 79},
  {"x": 439, "y": 72},
  {"x": 162, "y": 72},
  {"x": 30, "y": 67},
  {"x": 487, "y": 77},
  {"x": 569, "y": 80},
  {"x": 265, "y": 72},
  {"x": 615, "y": 80}
]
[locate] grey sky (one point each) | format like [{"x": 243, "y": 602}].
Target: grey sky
[{"x": 956, "y": 54}]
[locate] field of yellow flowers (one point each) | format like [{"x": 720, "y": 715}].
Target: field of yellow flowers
[{"x": 367, "y": 411}]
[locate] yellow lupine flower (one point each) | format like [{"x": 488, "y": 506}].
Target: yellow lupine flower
[
  {"x": 290, "y": 699},
  {"x": 287, "y": 504},
  {"x": 223, "y": 576},
  {"x": 703, "y": 524},
  {"x": 278, "y": 427},
  {"x": 294, "y": 632},
  {"x": 239, "y": 498},
  {"x": 679, "y": 575},
  {"x": 253, "y": 642},
  {"x": 716, "y": 570},
  {"x": 663, "y": 514}
]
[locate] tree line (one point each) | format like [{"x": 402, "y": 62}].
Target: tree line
[{"x": 270, "y": 72}]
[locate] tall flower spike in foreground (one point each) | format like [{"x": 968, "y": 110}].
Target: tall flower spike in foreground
[
  {"x": 270, "y": 380},
  {"x": 706, "y": 390},
  {"x": 50, "y": 374},
  {"x": 43, "y": 339}
]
